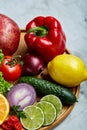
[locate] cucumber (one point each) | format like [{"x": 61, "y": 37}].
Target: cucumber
[{"x": 44, "y": 87}]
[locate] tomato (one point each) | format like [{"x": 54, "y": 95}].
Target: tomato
[
  {"x": 17, "y": 126},
  {"x": 12, "y": 123},
  {"x": 6, "y": 126},
  {"x": 13, "y": 119},
  {"x": 10, "y": 68}
]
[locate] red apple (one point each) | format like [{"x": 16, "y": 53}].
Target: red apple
[{"x": 9, "y": 35}]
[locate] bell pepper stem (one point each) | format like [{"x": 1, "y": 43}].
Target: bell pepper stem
[{"x": 39, "y": 31}]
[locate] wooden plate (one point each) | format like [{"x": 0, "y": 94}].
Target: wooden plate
[{"x": 22, "y": 49}]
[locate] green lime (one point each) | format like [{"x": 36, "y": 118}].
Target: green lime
[
  {"x": 34, "y": 118},
  {"x": 55, "y": 101},
  {"x": 49, "y": 112}
]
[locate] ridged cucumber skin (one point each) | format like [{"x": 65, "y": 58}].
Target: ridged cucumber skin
[{"x": 44, "y": 87}]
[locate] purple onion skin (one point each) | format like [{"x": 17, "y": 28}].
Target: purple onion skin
[
  {"x": 22, "y": 95},
  {"x": 33, "y": 64}
]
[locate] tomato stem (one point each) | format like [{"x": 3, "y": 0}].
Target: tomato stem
[{"x": 14, "y": 60}]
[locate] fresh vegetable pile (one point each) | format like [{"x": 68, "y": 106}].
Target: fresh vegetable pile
[{"x": 45, "y": 71}]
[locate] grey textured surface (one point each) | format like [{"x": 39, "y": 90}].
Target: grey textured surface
[{"x": 73, "y": 16}]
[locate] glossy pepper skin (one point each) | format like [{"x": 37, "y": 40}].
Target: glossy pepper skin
[{"x": 44, "y": 35}]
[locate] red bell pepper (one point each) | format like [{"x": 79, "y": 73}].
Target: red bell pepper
[{"x": 44, "y": 35}]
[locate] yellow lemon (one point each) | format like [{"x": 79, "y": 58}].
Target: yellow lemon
[{"x": 67, "y": 69}]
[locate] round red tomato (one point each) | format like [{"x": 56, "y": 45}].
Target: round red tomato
[{"x": 10, "y": 68}]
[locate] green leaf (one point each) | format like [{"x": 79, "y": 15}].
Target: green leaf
[
  {"x": 4, "y": 85},
  {"x": 1, "y": 56},
  {"x": 19, "y": 113}
]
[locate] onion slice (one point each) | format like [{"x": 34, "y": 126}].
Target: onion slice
[{"x": 21, "y": 94}]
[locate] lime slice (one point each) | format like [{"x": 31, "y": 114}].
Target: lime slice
[
  {"x": 55, "y": 101},
  {"x": 34, "y": 118},
  {"x": 49, "y": 112}
]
